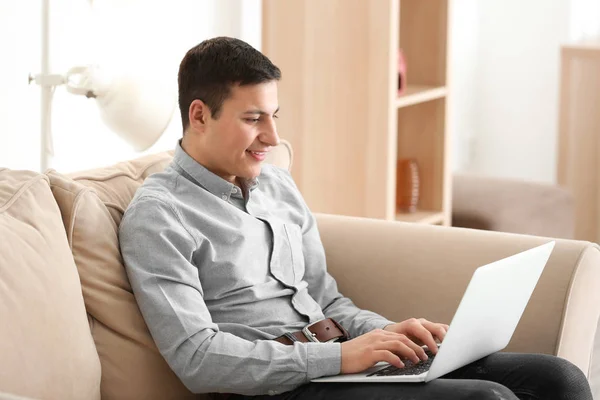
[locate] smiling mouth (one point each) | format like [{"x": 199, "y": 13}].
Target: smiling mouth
[{"x": 258, "y": 155}]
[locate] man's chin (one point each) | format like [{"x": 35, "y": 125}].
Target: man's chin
[{"x": 251, "y": 174}]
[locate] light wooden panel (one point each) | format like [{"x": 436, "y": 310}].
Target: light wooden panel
[
  {"x": 421, "y": 136},
  {"x": 288, "y": 53},
  {"x": 381, "y": 133},
  {"x": 335, "y": 99},
  {"x": 449, "y": 123},
  {"x": 423, "y": 39},
  {"x": 579, "y": 136}
]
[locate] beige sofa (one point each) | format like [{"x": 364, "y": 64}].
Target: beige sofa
[{"x": 70, "y": 327}]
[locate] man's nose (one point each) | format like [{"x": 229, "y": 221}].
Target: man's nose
[{"x": 269, "y": 135}]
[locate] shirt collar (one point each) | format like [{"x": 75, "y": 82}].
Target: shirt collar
[{"x": 207, "y": 179}]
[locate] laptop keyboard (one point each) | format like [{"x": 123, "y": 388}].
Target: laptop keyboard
[{"x": 410, "y": 368}]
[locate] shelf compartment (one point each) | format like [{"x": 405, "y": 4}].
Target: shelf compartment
[{"x": 421, "y": 137}]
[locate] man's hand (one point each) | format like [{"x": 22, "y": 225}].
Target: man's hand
[
  {"x": 379, "y": 345},
  {"x": 421, "y": 331}
]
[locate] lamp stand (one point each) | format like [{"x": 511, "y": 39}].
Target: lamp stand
[
  {"x": 47, "y": 82},
  {"x": 47, "y": 90}
]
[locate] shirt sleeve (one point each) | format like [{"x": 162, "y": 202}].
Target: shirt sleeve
[
  {"x": 158, "y": 252},
  {"x": 323, "y": 287}
]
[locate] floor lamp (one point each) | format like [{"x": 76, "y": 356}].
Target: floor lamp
[{"x": 136, "y": 110}]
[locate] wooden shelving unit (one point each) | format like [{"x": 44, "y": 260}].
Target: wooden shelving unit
[{"x": 340, "y": 107}]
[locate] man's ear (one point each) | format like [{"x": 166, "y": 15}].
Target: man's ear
[{"x": 198, "y": 114}]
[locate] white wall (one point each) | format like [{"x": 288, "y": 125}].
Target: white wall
[
  {"x": 124, "y": 35},
  {"x": 19, "y": 103},
  {"x": 505, "y": 119},
  {"x": 464, "y": 47},
  {"x": 584, "y": 22}
]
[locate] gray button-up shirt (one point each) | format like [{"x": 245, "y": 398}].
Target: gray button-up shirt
[{"x": 217, "y": 275}]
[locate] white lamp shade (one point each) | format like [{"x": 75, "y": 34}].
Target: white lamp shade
[{"x": 134, "y": 107}]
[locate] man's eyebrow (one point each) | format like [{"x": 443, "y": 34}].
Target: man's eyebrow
[{"x": 260, "y": 112}]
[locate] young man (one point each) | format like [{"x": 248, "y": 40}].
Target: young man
[{"x": 227, "y": 265}]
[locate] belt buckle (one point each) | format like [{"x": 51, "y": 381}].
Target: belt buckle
[{"x": 312, "y": 337}]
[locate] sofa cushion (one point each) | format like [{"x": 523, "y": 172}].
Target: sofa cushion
[
  {"x": 46, "y": 348},
  {"x": 92, "y": 204}
]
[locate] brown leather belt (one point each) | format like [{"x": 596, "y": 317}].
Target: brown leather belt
[{"x": 323, "y": 331}]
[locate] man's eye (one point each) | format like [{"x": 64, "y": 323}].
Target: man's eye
[
  {"x": 252, "y": 120},
  {"x": 275, "y": 116}
]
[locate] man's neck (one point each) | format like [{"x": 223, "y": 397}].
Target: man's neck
[{"x": 194, "y": 152}]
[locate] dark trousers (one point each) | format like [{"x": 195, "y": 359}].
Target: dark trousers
[{"x": 506, "y": 376}]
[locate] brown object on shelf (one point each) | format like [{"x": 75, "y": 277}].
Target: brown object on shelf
[{"x": 407, "y": 185}]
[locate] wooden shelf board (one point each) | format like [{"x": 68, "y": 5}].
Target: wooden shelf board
[
  {"x": 415, "y": 94},
  {"x": 422, "y": 217}
]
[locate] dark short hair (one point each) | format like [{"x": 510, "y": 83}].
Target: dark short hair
[{"x": 210, "y": 69}]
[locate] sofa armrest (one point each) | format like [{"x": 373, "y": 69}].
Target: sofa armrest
[
  {"x": 403, "y": 270},
  {"x": 511, "y": 205}
]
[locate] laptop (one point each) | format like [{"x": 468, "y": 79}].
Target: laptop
[{"x": 484, "y": 322}]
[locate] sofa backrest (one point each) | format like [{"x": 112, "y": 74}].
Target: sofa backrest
[
  {"x": 46, "y": 349},
  {"x": 92, "y": 204}
]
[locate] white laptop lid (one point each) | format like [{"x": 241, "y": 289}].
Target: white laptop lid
[{"x": 490, "y": 309}]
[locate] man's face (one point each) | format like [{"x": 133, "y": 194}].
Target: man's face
[{"x": 237, "y": 142}]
